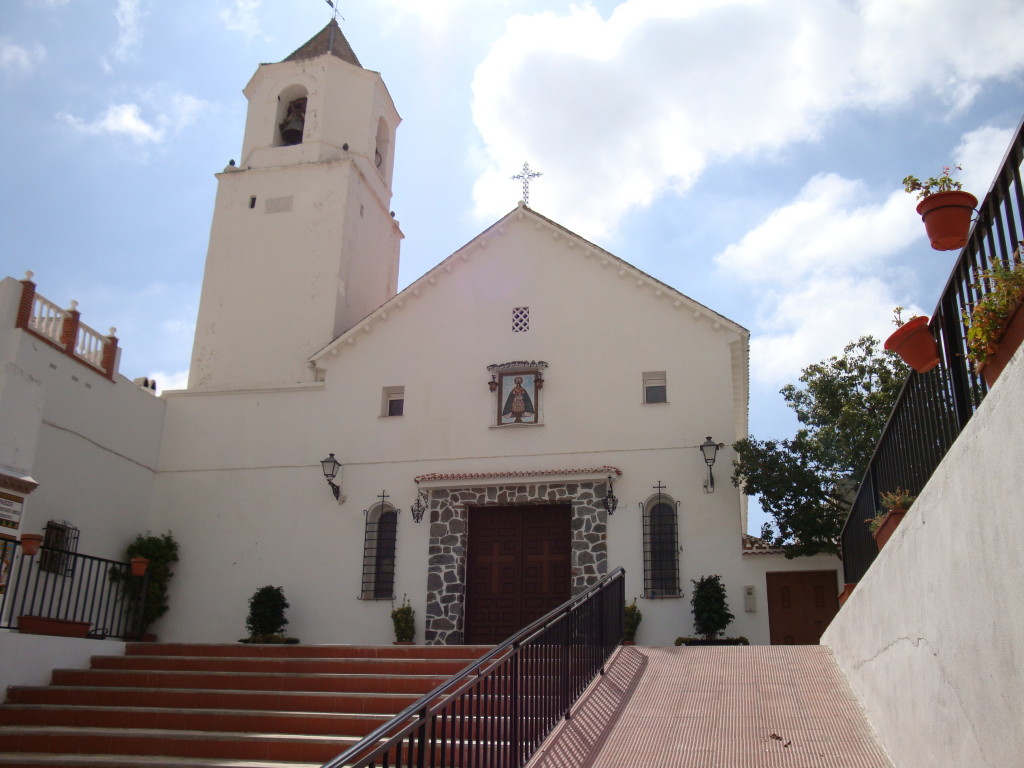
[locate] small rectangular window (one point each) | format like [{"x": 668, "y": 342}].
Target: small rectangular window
[
  {"x": 655, "y": 387},
  {"x": 393, "y": 401}
]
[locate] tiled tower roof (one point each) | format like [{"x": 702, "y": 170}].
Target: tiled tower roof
[{"x": 328, "y": 40}]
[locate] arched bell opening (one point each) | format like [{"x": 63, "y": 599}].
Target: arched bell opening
[
  {"x": 291, "y": 116},
  {"x": 382, "y": 152}
]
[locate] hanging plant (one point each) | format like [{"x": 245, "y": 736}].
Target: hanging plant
[
  {"x": 913, "y": 341},
  {"x": 945, "y": 208}
]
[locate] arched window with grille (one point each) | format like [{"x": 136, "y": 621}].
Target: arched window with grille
[
  {"x": 379, "y": 552},
  {"x": 661, "y": 547}
]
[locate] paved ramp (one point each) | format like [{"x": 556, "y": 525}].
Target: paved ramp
[{"x": 717, "y": 707}]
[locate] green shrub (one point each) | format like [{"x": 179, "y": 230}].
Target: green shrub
[
  {"x": 404, "y": 619},
  {"x": 266, "y": 612},
  {"x": 162, "y": 553},
  {"x": 710, "y": 610},
  {"x": 633, "y": 619}
]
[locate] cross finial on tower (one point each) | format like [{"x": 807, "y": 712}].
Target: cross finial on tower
[
  {"x": 335, "y": 7},
  {"x": 525, "y": 177}
]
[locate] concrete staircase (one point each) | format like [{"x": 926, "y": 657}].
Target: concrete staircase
[{"x": 198, "y": 706}]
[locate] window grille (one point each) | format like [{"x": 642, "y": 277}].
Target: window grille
[
  {"x": 379, "y": 553},
  {"x": 520, "y": 319},
  {"x": 661, "y": 546},
  {"x": 60, "y": 542}
]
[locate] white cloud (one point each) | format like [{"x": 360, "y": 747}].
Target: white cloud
[
  {"x": 19, "y": 60},
  {"x": 128, "y": 15},
  {"x": 176, "y": 112},
  {"x": 242, "y": 17},
  {"x": 817, "y": 266},
  {"x": 981, "y": 152},
  {"x": 119, "y": 119},
  {"x": 643, "y": 101}
]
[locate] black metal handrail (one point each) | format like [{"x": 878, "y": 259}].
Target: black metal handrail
[
  {"x": 499, "y": 710},
  {"x": 101, "y": 596},
  {"x": 933, "y": 408}
]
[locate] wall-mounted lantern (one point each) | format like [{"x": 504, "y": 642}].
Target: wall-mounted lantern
[
  {"x": 419, "y": 507},
  {"x": 611, "y": 503},
  {"x": 710, "y": 450},
  {"x": 331, "y": 466}
]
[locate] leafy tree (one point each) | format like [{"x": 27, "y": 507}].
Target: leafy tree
[{"x": 806, "y": 483}]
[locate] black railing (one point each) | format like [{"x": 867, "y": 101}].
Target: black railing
[
  {"x": 89, "y": 595},
  {"x": 933, "y": 408},
  {"x": 499, "y": 710}
]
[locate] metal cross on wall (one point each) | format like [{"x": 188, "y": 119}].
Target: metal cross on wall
[{"x": 525, "y": 177}]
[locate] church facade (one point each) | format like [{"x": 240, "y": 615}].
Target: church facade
[{"x": 520, "y": 420}]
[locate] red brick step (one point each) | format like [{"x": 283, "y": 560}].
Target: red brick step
[{"x": 185, "y": 706}]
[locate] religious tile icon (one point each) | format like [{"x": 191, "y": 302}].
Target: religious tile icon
[{"x": 517, "y": 398}]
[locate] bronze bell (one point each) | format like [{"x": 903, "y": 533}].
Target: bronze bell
[{"x": 291, "y": 129}]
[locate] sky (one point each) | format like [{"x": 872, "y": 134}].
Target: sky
[{"x": 747, "y": 152}]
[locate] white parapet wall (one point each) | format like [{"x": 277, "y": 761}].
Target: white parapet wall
[
  {"x": 30, "y": 659},
  {"x": 932, "y": 639}
]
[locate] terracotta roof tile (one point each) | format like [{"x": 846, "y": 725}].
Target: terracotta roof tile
[{"x": 328, "y": 40}]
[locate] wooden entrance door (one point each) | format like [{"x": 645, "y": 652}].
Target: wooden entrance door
[
  {"x": 518, "y": 568},
  {"x": 801, "y": 605}
]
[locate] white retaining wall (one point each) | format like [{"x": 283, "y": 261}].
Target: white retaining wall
[{"x": 932, "y": 639}]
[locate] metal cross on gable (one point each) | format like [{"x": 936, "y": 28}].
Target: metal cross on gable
[{"x": 525, "y": 177}]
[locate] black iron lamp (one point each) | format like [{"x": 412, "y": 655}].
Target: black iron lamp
[
  {"x": 419, "y": 507},
  {"x": 710, "y": 450},
  {"x": 611, "y": 503},
  {"x": 331, "y": 466}
]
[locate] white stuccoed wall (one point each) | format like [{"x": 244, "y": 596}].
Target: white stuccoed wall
[
  {"x": 932, "y": 639},
  {"x": 31, "y": 659}
]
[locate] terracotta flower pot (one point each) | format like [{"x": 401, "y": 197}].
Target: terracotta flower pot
[
  {"x": 888, "y": 527},
  {"x": 947, "y": 218},
  {"x": 139, "y": 566},
  {"x": 1011, "y": 338},
  {"x": 913, "y": 341},
  {"x": 30, "y": 543},
  {"x": 847, "y": 591},
  {"x": 43, "y": 625}
]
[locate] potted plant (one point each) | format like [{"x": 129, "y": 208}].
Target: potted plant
[
  {"x": 945, "y": 208},
  {"x": 30, "y": 543},
  {"x": 995, "y": 326},
  {"x": 266, "y": 619},
  {"x": 161, "y": 552},
  {"x": 894, "y": 506},
  {"x": 913, "y": 341},
  {"x": 710, "y": 613},
  {"x": 632, "y": 622},
  {"x": 404, "y": 620}
]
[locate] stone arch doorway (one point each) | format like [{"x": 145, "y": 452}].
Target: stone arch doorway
[{"x": 450, "y": 509}]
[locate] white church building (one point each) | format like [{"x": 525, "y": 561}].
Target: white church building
[{"x": 523, "y": 418}]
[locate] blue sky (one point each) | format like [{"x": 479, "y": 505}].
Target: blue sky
[{"x": 747, "y": 152}]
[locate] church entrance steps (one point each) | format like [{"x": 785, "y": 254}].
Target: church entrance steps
[{"x": 225, "y": 705}]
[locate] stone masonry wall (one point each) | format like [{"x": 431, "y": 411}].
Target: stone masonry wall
[{"x": 449, "y": 515}]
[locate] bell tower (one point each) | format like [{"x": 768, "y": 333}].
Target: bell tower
[{"x": 303, "y": 244}]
